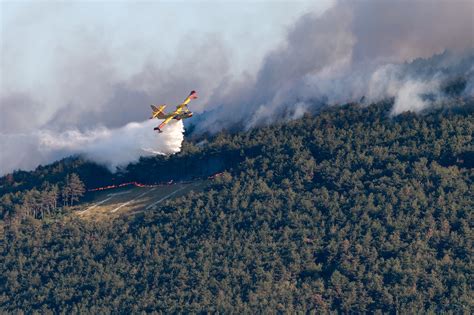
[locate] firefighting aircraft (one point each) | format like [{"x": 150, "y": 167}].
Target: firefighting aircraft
[{"x": 181, "y": 112}]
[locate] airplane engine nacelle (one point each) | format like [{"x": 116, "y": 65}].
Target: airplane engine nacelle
[{"x": 183, "y": 116}]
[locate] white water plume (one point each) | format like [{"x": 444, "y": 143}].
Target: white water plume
[{"x": 109, "y": 147}]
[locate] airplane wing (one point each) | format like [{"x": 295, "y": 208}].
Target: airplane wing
[
  {"x": 167, "y": 120},
  {"x": 157, "y": 112},
  {"x": 192, "y": 96}
]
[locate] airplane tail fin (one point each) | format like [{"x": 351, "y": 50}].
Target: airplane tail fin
[{"x": 157, "y": 112}]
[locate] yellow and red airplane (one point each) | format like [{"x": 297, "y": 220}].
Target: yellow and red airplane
[{"x": 181, "y": 112}]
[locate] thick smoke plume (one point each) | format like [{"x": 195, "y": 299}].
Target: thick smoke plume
[
  {"x": 404, "y": 50},
  {"x": 109, "y": 147}
]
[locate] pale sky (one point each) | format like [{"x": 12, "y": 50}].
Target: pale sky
[{"x": 40, "y": 38}]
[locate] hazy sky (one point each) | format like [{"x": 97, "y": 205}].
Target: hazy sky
[
  {"x": 137, "y": 30},
  {"x": 45, "y": 43}
]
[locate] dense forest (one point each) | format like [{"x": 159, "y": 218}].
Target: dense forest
[{"x": 349, "y": 210}]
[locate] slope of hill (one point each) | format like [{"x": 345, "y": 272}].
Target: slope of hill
[{"x": 350, "y": 211}]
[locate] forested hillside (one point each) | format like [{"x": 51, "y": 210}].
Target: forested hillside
[{"x": 349, "y": 210}]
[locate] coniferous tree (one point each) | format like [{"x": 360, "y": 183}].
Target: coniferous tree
[
  {"x": 66, "y": 191},
  {"x": 349, "y": 211},
  {"x": 77, "y": 188}
]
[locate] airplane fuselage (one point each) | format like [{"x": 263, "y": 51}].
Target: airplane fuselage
[{"x": 183, "y": 116}]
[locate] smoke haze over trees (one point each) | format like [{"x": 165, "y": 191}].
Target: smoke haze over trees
[{"x": 357, "y": 49}]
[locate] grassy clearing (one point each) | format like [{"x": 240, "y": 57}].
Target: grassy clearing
[{"x": 126, "y": 200}]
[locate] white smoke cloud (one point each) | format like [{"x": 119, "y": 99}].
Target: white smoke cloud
[
  {"x": 410, "y": 94},
  {"x": 110, "y": 147}
]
